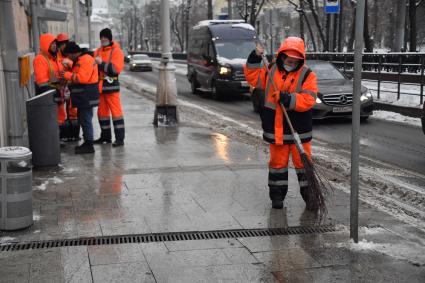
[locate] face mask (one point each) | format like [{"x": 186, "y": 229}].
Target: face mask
[
  {"x": 289, "y": 68},
  {"x": 106, "y": 43}
]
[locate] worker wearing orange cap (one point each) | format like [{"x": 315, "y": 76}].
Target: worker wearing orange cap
[
  {"x": 296, "y": 91},
  {"x": 46, "y": 73},
  {"x": 71, "y": 127}
]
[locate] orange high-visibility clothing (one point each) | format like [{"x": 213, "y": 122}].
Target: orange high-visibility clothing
[
  {"x": 46, "y": 74},
  {"x": 300, "y": 84},
  {"x": 110, "y": 103},
  {"x": 84, "y": 82}
]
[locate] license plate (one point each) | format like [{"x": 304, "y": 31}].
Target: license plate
[
  {"x": 342, "y": 109},
  {"x": 244, "y": 84}
]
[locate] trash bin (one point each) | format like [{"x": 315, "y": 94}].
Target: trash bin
[
  {"x": 43, "y": 130},
  {"x": 15, "y": 188}
]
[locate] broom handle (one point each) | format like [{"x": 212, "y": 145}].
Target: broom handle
[{"x": 294, "y": 134}]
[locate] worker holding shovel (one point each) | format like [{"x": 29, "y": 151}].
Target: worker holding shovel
[{"x": 290, "y": 93}]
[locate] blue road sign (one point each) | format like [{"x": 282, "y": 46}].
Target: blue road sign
[{"x": 332, "y": 6}]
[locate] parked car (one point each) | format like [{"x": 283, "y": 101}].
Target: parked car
[
  {"x": 216, "y": 54},
  {"x": 335, "y": 95},
  {"x": 423, "y": 118},
  {"x": 140, "y": 62}
]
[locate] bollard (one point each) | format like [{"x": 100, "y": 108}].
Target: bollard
[{"x": 15, "y": 188}]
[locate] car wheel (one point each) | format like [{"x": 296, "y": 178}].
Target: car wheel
[
  {"x": 215, "y": 94},
  {"x": 194, "y": 85}
]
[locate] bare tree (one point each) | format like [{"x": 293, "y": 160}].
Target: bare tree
[{"x": 249, "y": 10}]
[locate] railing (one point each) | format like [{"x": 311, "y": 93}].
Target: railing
[{"x": 399, "y": 68}]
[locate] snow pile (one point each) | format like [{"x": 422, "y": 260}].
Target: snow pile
[
  {"x": 5, "y": 240},
  {"x": 388, "y": 93},
  {"x": 235, "y": 61},
  {"x": 411, "y": 252},
  {"x": 41, "y": 187},
  {"x": 55, "y": 180},
  {"x": 244, "y": 26},
  {"x": 396, "y": 117}
]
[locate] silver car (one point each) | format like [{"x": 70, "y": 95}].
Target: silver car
[
  {"x": 140, "y": 62},
  {"x": 335, "y": 95}
]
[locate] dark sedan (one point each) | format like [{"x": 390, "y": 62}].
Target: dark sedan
[{"x": 335, "y": 96}]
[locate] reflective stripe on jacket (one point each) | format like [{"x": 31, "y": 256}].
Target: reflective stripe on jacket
[{"x": 111, "y": 67}]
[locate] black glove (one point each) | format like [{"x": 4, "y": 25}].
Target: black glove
[{"x": 285, "y": 99}]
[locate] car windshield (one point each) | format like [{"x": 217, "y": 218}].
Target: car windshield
[
  {"x": 234, "y": 49},
  {"x": 140, "y": 57},
  {"x": 326, "y": 71}
]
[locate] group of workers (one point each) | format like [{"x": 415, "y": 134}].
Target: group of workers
[{"x": 82, "y": 80}]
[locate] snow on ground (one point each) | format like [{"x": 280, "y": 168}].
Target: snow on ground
[
  {"x": 5, "y": 240},
  {"x": 43, "y": 186},
  {"x": 396, "y": 117},
  {"x": 388, "y": 93},
  {"x": 410, "y": 251}
]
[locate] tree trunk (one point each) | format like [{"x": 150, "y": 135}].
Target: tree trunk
[
  {"x": 368, "y": 42},
  {"x": 340, "y": 25},
  {"x": 252, "y": 13},
  {"x": 301, "y": 7},
  {"x": 350, "y": 46},
  {"x": 400, "y": 25},
  {"x": 210, "y": 10},
  {"x": 412, "y": 25},
  {"x": 328, "y": 32},
  {"x": 317, "y": 21},
  {"x": 311, "y": 33}
]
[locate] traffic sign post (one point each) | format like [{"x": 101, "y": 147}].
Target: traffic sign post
[{"x": 332, "y": 6}]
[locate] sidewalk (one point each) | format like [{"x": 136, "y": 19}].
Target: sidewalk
[{"x": 193, "y": 178}]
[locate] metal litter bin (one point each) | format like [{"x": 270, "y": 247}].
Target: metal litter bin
[
  {"x": 15, "y": 188},
  {"x": 43, "y": 129}
]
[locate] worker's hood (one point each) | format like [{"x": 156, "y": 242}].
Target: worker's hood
[{"x": 45, "y": 41}]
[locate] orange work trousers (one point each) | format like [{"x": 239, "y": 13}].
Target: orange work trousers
[
  {"x": 278, "y": 165},
  {"x": 110, "y": 103}
]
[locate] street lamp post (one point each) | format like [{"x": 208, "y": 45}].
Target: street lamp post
[{"x": 166, "y": 91}]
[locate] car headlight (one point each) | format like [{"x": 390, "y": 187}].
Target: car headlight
[
  {"x": 318, "y": 100},
  {"x": 134, "y": 64},
  {"x": 224, "y": 70},
  {"x": 366, "y": 96}
]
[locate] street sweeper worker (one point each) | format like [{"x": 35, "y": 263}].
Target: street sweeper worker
[
  {"x": 296, "y": 91},
  {"x": 110, "y": 59},
  {"x": 46, "y": 73},
  {"x": 84, "y": 88}
]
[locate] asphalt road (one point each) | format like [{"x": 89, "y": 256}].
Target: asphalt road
[{"x": 389, "y": 142}]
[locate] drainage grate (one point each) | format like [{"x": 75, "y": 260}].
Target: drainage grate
[{"x": 165, "y": 237}]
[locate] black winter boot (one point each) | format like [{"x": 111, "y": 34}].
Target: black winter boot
[
  {"x": 85, "y": 148},
  {"x": 277, "y": 195},
  {"x": 105, "y": 137},
  {"x": 308, "y": 203}
]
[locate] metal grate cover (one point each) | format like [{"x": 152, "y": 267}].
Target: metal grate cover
[{"x": 165, "y": 237}]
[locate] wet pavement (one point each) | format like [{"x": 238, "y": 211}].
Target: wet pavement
[{"x": 194, "y": 178}]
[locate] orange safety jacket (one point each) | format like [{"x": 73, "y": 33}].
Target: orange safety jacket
[
  {"x": 111, "y": 67},
  {"x": 46, "y": 68},
  {"x": 84, "y": 82},
  {"x": 300, "y": 84}
]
